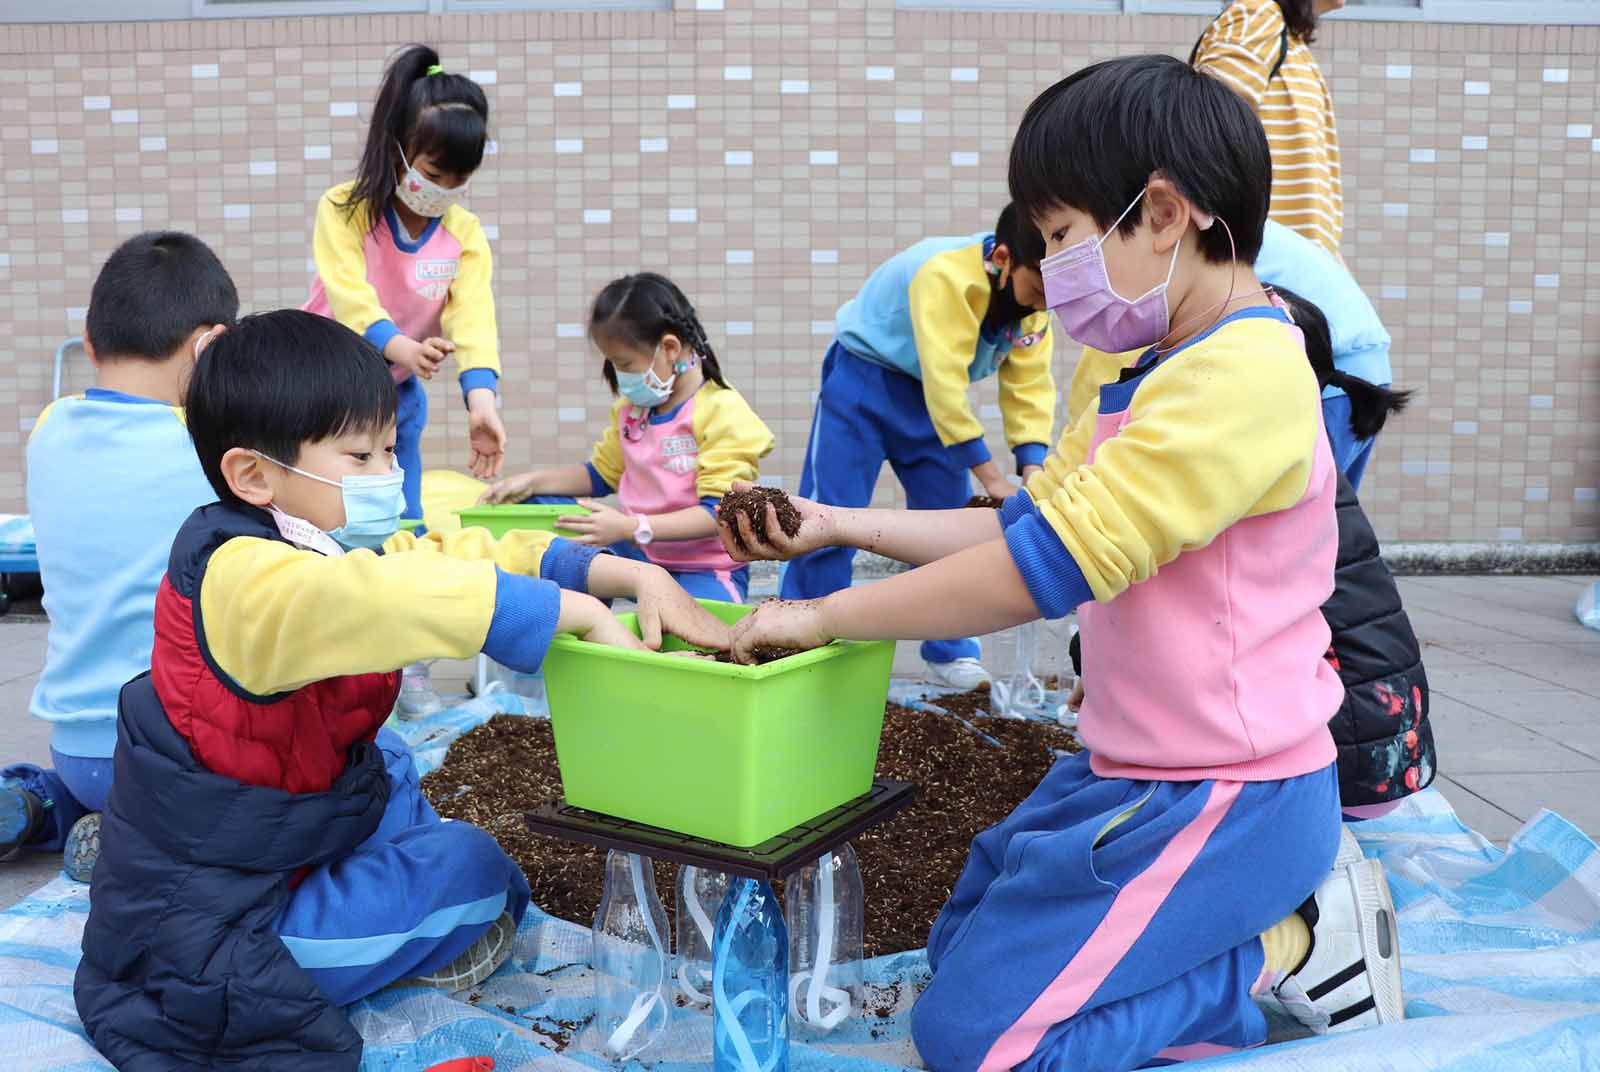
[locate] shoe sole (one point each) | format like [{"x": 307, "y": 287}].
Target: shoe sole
[
  {"x": 1380, "y": 938},
  {"x": 81, "y": 853},
  {"x": 1350, "y": 852},
  {"x": 502, "y": 935}
]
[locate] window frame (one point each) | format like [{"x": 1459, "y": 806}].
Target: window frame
[{"x": 1470, "y": 12}]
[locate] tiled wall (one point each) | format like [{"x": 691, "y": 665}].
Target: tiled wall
[{"x": 768, "y": 155}]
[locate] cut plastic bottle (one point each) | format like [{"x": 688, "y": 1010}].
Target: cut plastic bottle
[
  {"x": 700, "y": 892},
  {"x": 630, "y": 958},
  {"x": 827, "y": 915},
  {"x": 749, "y": 981}
]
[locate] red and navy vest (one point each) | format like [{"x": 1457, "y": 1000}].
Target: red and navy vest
[{"x": 297, "y": 741}]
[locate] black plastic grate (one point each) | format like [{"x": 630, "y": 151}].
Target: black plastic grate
[{"x": 772, "y": 860}]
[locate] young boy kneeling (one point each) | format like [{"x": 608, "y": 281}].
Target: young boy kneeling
[{"x": 268, "y": 854}]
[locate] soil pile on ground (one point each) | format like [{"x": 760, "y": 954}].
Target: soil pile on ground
[{"x": 505, "y": 768}]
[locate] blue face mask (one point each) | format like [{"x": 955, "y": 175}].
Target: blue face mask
[
  {"x": 372, "y": 504},
  {"x": 646, "y": 389}
]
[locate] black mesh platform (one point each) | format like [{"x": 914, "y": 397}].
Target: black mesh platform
[{"x": 772, "y": 860}]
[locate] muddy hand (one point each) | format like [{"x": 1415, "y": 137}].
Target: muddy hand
[
  {"x": 780, "y": 623},
  {"x": 513, "y": 489},
  {"x": 665, "y": 608}
]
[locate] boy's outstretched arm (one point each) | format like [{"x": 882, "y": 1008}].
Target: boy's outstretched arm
[
  {"x": 913, "y": 537},
  {"x": 974, "y": 591}
]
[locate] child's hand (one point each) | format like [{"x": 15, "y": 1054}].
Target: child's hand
[
  {"x": 780, "y": 623},
  {"x": 1028, "y": 471},
  {"x": 602, "y": 527},
  {"x": 1075, "y": 701},
  {"x": 817, "y": 529},
  {"x": 590, "y": 619},
  {"x": 422, "y": 358},
  {"x": 513, "y": 489},
  {"x": 486, "y": 433},
  {"x": 665, "y": 608}
]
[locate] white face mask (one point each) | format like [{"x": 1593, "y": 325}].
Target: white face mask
[{"x": 422, "y": 195}]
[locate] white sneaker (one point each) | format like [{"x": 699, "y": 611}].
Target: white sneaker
[
  {"x": 1351, "y": 977},
  {"x": 477, "y": 962},
  {"x": 1349, "y": 849},
  {"x": 964, "y": 674},
  {"x": 417, "y": 698}
]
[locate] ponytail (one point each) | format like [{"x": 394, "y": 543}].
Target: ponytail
[
  {"x": 422, "y": 110},
  {"x": 642, "y": 309},
  {"x": 1370, "y": 404}
]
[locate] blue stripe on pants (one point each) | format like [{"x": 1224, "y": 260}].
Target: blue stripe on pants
[
  {"x": 407, "y": 901},
  {"x": 1076, "y": 941},
  {"x": 867, "y": 415},
  {"x": 410, "y": 419}
]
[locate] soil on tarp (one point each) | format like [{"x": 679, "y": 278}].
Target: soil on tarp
[
  {"x": 505, "y": 768},
  {"x": 753, "y": 503}
]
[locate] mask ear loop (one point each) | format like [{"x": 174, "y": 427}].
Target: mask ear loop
[{"x": 1203, "y": 221}]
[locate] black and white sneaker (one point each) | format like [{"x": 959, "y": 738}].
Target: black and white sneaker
[
  {"x": 1351, "y": 976},
  {"x": 1349, "y": 849}
]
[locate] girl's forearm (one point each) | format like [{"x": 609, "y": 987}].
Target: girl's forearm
[
  {"x": 915, "y": 537},
  {"x": 968, "y": 593},
  {"x": 562, "y": 480},
  {"x": 692, "y": 523}
]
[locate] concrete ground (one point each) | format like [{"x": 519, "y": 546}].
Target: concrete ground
[{"x": 1515, "y": 683}]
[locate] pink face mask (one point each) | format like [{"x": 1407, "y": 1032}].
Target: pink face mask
[{"x": 1078, "y": 290}]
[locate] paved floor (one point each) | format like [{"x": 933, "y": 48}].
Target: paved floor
[{"x": 1515, "y": 682}]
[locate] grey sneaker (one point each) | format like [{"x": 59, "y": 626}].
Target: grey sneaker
[
  {"x": 477, "y": 962},
  {"x": 1349, "y": 849},
  {"x": 82, "y": 848}
]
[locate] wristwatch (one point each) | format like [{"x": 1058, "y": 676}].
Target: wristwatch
[{"x": 643, "y": 534}]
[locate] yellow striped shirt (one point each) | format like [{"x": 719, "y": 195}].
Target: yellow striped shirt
[{"x": 1295, "y": 108}]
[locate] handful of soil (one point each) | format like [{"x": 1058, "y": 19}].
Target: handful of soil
[
  {"x": 753, "y": 502},
  {"x": 984, "y": 502}
]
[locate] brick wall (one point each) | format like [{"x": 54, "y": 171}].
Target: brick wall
[{"x": 769, "y": 155}]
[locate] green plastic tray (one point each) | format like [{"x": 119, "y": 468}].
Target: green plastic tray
[
  {"x": 509, "y": 517},
  {"x": 734, "y": 754},
  {"x": 410, "y": 524}
]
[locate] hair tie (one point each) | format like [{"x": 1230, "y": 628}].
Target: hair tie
[{"x": 434, "y": 69}]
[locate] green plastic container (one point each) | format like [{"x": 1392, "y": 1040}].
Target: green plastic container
[
  {"x": 734, "y": 754},
  {"x": 410, "y": 524},
  {"x": 508, "y": 517}
]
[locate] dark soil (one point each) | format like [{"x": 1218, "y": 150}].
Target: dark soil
[
  {"x": 984, "y": 502},
  {"x": 753, "y": 503},
  {"x": 760, "y": 655},
  {"x": 506, "y": 767}
]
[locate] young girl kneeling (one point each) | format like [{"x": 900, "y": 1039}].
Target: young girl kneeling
[{"x": 1135, "y": 905}]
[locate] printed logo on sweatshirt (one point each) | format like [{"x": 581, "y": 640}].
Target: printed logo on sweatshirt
[
  {"x": 433, "y": 278},
  {"x": 680, "y": 454}
]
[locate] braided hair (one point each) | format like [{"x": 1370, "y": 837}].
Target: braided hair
[{"x": 642, "y": 309}]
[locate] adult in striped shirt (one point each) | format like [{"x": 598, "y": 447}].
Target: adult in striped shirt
[{"x": 1262, "y": 49}]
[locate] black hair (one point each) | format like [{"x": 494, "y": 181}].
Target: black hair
[
  {"x": 643, "y": 308},
  {"x": 1370, "y": 404},
  {"x": 276, "y": 381},
  {"x": 1026, "y": 245},
  {"x": 440, "y": 114},
  {"x": 1301, "y": 18},
  {"x": 1093, "y": 141},
  {"x": 153, "y": 291}
]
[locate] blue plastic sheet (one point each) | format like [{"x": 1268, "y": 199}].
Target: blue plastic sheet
[{"x": 1501, "y": 954}]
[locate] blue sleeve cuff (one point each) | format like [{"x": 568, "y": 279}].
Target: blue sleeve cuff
[
  {"x": 1053, "y": 578},
  {"x": 525, "y": 615},
  {"x": 972, "y": 453},
  {"x": 1016, "y": 508},
  {"x": 598, "y": 488},
  {"x": 710, "y": 503},
  {"x": 567, "y": 564},
  {"x": 1029, "y": 454},
  {"x": 380, "y": 333},
  {"x": 474, "y": 378}
]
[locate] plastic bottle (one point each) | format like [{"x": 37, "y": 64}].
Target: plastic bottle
[
  {"x": 417, "y": 698},
  {"x": 1021, "y": 694},
  {"x": 630, "y": 957},
  {"x": 826, "y": 921},
  {"x": 749, "y": 981},
  {"x": 700, "y": 892}
]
